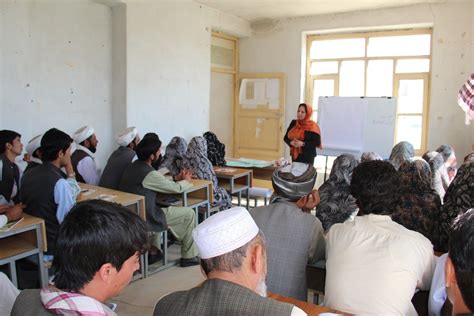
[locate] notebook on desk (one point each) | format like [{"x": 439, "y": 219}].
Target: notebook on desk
[{"x": 9, "y": 226}]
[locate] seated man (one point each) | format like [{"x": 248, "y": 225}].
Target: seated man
[
  {"x": 83, "y": 158},
  {"x": 233, "y": 258},
  {"x": 460, "y": 265},
  {"x": 33, "y": 153},
  {"x": 140, "y": 178},
  {"x": 374, "y": 265},
  {"x": 289, "y": 227},
  {"x": 10, "y": 148},
  {"x": 120, "y": 158},
  {"x": 47, "y": 192},
  {"x": 98, "y": 250}
]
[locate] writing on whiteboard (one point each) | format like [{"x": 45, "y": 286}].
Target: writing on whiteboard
[{"x": 383, "y": 120}]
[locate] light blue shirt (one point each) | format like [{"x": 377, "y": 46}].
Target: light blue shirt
[{"x": 65, "y": 197}]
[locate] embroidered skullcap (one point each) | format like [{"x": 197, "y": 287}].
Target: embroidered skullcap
[
  {"x": 34, "y": 144},
  {"x": 224, "y": 232},
  {"x": 127, "y": 136},
  {"x": 294, "y": 181},
  {"x": 83, "y": 133}
]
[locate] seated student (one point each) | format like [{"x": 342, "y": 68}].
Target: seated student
[
  {"x": 33, "y": 153},
  {"x": 197, "y": 162},
  {"x": 418, "y": 207},
  {"x": 438, "y": 171},
  {"x": 215, "y": 149},
  {"x": 47, "y": 192},
  {"x": 10, "y": 148},
  {"x": 337, "y": 204},
  {"x": 8, "y": 294},
  {"x": 157, "y": 163},
  {"x": 289, "y": 227},
  {"x": 174, "y": 155},
  {"x": 374, "y": 265},
  {"x": 120, "y": 158},
  {"x": 459, "y": 198},
  {"x": 460, "y": 265},
  {"x": 98, "y": 250},
  {"x": 83, "y": 158},
  {"x": 140, "y": 178},
  {"x": 369, "y": 156},
  {"x": 449, "y": 158},
  {"x": 401, "y": 152},
  {"x": 233, "y": 258}
]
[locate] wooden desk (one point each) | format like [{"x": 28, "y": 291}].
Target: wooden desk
[
  {"x": 134, "y": 202},
  {"x": 27, "y": 238},
  {"x": 200, "y": 194},
  {"x": 235, "y": 180},
  {"x": 308, "y": 308}
]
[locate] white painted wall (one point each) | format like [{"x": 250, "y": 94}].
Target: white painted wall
[
  {"x": 279, "y": 50},
  {"x": 56, "y": 68},
  {"x": 168, "y": 65}
]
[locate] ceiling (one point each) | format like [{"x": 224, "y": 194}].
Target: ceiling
[{"x": 258, "y": 10}]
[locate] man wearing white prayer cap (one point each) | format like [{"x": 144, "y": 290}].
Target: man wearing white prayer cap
[
  {"x": 120, "y": 158},
  {"x": 289, "y": 227},
  {"x": 233, "y": 258},
  {"x": 83, "y": 159},
  {"x": 33, "y": 153}
]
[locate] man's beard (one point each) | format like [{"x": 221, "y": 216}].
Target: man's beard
[
  {"x": 262, "y": 287},
  {"x": 92, "y": 149}
]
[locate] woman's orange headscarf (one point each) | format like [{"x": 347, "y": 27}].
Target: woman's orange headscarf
[{"x": 301, "y": 126}]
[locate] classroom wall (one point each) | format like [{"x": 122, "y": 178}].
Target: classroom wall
[
  {"x": 168, "y": 65},
  {"x": 55, "y": 68},
  {"x": 279, "y": 49}
]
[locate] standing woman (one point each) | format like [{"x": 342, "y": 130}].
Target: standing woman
[{"x": 303, "y": 135}]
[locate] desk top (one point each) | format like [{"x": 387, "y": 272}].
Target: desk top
[
  {"x": 231, "y": 172},
  {"x": 308, "y": 308},
  {"x": 120, "y": 197}
]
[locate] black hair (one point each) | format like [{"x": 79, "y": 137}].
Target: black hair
[
  {"x": 151, "y": 135},
  {"x": 147, "y": 147},
  {"x": 53, "y": 142},
  {"x": 375, "y": 186},
  {"x": 461, "y": 252},
  {"x": 7, "y": 137},
  {"x": 94, "y": 233},
  {"x": 303, "y": 105}
]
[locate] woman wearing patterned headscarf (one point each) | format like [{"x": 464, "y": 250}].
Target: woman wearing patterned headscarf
[
  {"x": 215, "y": 149},
  {"x": 196, "y": 161},
  {"x": 438, "y": 171},
  {"x": 369, "y": 156},
  {"x": 458, "y": 199},
  {"x": 337, "y": 204},
  {"x": 401, "y": 152},
  {"x": 174, "y": 155},
  {"x": 419, "y": 206},
  {"x": 303, "y": 135}
]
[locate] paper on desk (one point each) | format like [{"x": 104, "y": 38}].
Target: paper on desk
[
  {"x": 106, "y": 197},
  {"x": 223, "y": 169},
  {"x": 87, "y": 191}
]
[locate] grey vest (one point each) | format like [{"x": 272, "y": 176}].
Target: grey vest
[
  {"x": 288, "y": 232},
  {"x": 28, "y": 303},
  {"x": 77, "y": 156},
  {"x": 37, "y": 192},
  {"x": 218, "y": 297},
  {"x": 132, "y": 182},
  {"x": 113, "y": 171}
]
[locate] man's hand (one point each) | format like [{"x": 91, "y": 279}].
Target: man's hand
[
  {"x": 26, "y": 157},
  {"x": 15, "y": 212},
  {"x": 308, "y": 202},
  {"x": 68, "y": 166},
  {"x": 185, "y": 174}
]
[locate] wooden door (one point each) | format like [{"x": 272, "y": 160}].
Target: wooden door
[{"x": 259, "y": 115}]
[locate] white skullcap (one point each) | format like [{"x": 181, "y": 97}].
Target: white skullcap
[
  {"x": 83, "y": 133},
  {"x": 34, "y": 144},
  {"x": 224, "y": 232},
  {"x": 127, "y": 136}
]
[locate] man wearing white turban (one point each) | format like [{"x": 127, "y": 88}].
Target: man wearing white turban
[
  {"x": 33, "y": 153},
  {"x": 233, "y": 258},
  {"x": 120, "y": 158},
  {"x": 83, "y": 158}
]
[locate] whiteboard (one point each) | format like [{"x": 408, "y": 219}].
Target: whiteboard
[{"x": 357, "y": 124}]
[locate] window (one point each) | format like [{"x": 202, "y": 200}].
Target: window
[{"x": 389, "y": 63}]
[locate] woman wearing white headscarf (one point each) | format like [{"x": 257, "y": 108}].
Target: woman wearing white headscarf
[{"x": 196, "y": 161}]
